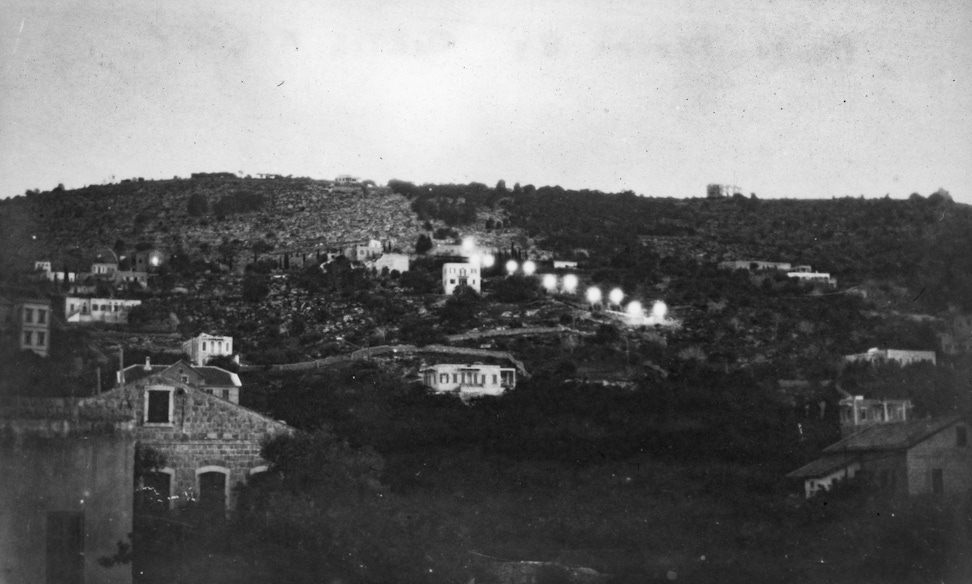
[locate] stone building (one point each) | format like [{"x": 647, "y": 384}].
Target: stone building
[
  {"x": 66, "y": 490},
  {"x": 455, "y": 275},
  {"x": 210, "y": 444},
  {"x": 204, "y": 347},
  {"x": 363, "y": 252},
  {"x": 904, "y": 458},
  {"x": 104, "y": 268},
  {"x": 110, "y": 310},
  {"x": 469, "y": 380},
  {"x": 756, "y": 265},
  {"x": 29, "y": 321},
  {"x": 718, "y": 191}
]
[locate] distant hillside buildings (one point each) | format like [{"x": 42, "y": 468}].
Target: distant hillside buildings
[
  {"x": 717, "y": 191},
  {"x": 204, "y": 347},
  {"x": 901, "y": 357},
  {"x": 26, "y": 323},
  {"x": 455, "y": 275},
  {"x": 469, "y": 380}
]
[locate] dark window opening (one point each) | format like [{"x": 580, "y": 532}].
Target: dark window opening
[
  {"x": 212, "y": 491},
  {"x": 158, "y": 406},
  {"x": 938, "y": 481},
  {"x": 961, "y": 436},
  {"x": 153, "y": 496}
]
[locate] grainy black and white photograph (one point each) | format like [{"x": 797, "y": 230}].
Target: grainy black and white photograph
[{"x": 507, "y": 292}]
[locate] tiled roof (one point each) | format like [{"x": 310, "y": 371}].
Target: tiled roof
[
  {"x": 894, "y": 436},
  {"x": 824, "y": 466},
  {"x": 211, "y": 376}
]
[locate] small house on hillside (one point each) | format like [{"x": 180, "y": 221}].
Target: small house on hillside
[
  {"x": 110, "y": 310},
  {"x": 469, "y": 380},
  {"x": 204, "y": 347},
  {"x": 901, "y": 357},
  {"x": 904, "y": 458},
  {"x": 455, "y": 275},
  {"x": 393, "y": 261},
  {"x": 857, "y": 413},
  {"x": 28, "y": 320}
]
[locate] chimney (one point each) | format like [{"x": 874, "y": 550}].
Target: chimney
[{"x": 148, "y": 364}]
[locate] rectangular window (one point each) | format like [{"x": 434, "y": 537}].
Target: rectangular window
[
  {"x": 443, "y": 377},
  {"x": 494, "y": 379},
  {"x": 65, "y": 547},
  {"x": 159, "y": 406},
  {"x": 41, "y": 339},
  {"x": 28, "y": 315},
  {"x": 455, "y": 378},
  {"x": 961, "y": 436},
  {"x": 938, "y": 481},
  {"x": 41, "y": 316},
  {"x": 28, "y": 338}
]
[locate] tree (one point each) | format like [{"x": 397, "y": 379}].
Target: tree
[
  {"x": 255, "y": 287},
  {"x": 501, "y": 186},
  {"x": 423, "y": 244}
]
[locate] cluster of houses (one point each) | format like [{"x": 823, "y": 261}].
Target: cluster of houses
[{"x": 803, "y": 273}]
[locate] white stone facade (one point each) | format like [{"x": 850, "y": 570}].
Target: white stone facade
[
  {"x": 469, "y": 380},
  {"x": 455, "y": 275},
  {"x": 200, "y": 349}
]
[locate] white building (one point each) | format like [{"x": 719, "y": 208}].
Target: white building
[
  {"x": 455, "y": 275},
  {"x": 876, "y": 355},
  {"x": 469, "y": 380},
  {"x": 813, "y": 277},
  {"x": 103, "y": 268},
  {"x": 200, "y": 349},
  {"x": 110, "y": 310},
  {"x": 564, "y": 264},
  {"x": 346, "y": 179},
  {"x": 392, "y": 261},
  {"x": 365, "y": 252}
]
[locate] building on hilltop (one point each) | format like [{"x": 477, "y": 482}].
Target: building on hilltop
[
  {"x": 210, "y": 444},
  {"x": 206, "y": 378},
  {"x": 66, "y": 496},
  {"x": 203, "y": 347},
  {"x": 903, "y": 458},
  {"x": 346, "y": 179},
  {"x": 876, "y": 355},
  {"x": 109, "y": 310},
  {"x": 455, "y": 275},
  {"x": 857, "y": 413},
  {"x": 42, "y": 269},
  {"x": 26, "y": 323},
  {"x": 564, "y": 265},
  {"x": 717, "y": 191},
  {"x": 469, "y": 380}
]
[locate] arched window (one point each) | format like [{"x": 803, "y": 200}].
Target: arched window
[
  {"x": 212, "y": 484},
  {"x": 155, "y": 491}
]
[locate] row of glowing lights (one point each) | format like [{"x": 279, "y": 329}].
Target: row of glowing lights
[
  {"x": 658, "y": 310},
  {"x": 634, "y": 309}
]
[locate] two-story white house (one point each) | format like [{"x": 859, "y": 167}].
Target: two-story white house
[
  {"x": 455, "y": 275},
  {"x": 469, "y": 380},
  {"x": 111, "y": 310},
  {"x": 204, "y": 347}
]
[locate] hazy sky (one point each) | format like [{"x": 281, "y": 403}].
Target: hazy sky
[{"x": 783, "y": 98}]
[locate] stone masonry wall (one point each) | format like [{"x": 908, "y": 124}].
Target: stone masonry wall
[
  {"x": 941, "y": 452},
  {"x": 205, "y": 431}
]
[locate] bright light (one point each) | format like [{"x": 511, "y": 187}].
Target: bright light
[
  {"x": 616, "y": 296},
  {"x": 511, "y": 266},
  {"x": 154, "y": 261},
  {"x": 593, "y": 294},
  {"x": 570, "y": 283},
  {"x": 488, "y": 260},
  {"x": 468, "y": 244},
  {"x": 635, "y": 310},
  {"x": 659, "y": 311},
  {"x": 549, "y": 281},
  {"x": 529, "y": 267}
]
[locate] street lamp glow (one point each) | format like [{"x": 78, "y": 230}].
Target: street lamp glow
[
  {"x": 658, "y": 311},
  {"x": 529, "y": 267},
  {"x": 570, "y": 283},
  {"x": 593, "y": 294},
  {"x": 511, "y": 266},
  {"x": 488, "y": 260},
  {"x": 616, "y": 296},
  {"x": 635, "y": 310},
  {"x": 549, "y": 281}
]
